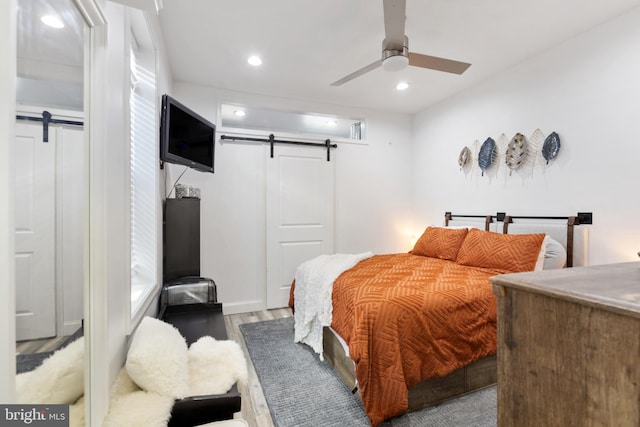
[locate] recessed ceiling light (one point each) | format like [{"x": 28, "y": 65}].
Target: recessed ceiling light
[
  {"x": 52, "y": 21},
  {"x": 331, "y": 123},
  {"x": 254, "y": 60},
  {"x": 402, "y": 86},
  {"x": 240, "y": 113}
]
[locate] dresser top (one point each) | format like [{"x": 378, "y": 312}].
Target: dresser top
[{"x": 611, "y": 287}]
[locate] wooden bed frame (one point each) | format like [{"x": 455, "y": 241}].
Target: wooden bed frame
[
  {"x": 475, "y": 376},
  {"x": 478, "y": 375}
]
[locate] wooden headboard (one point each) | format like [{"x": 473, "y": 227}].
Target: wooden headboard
[{"x": 564, "y": 229}]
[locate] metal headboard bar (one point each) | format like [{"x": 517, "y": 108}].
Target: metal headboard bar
[
  {"x": 572, "y": 221},
  {"x": 581, "y": 217},
  {"x": 448, "y": 216}
]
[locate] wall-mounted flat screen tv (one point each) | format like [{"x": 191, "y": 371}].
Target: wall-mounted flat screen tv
[{"x": 186, "y": 138}]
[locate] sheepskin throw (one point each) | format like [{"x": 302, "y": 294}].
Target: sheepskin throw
[
  {"x": 132, "y": 407},
  {"x": 59, "y": 380},
  {"x": 139, "y": 409},
  {"x": 215, "y": 366},
  {"x": 76, "y": 413},
  {"x": 157, "y": 360}
]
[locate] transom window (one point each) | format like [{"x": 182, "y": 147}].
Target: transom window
[{"x": 331, "y": 126}]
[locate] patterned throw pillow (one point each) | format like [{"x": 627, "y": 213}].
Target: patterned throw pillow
[
  {"x": 507, "y": 253},
  {"x": 438, "y": 242}
]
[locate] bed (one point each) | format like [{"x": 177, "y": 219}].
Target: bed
[{"x": 413, "y": 329}]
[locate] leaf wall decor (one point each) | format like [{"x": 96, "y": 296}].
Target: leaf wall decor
[
  {"x": 516, "y": 152},
  {"x": 486, "y": 154}
]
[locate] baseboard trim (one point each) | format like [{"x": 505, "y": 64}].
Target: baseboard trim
[
  {"x": 242, "y": 306},
  {"x": 71, "y": 327}
]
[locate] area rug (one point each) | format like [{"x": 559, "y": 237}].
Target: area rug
[{"x": 301, "y": 390}]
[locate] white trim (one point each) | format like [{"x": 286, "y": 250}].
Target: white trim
[
  {"x": 63, "y": 327},
  {"x": 130, "y": 323},
  {"x": 8, "y": 21},
  {"x": 143, "y": 308},
  {"x": 159, "y": 178},
  {"x": 153, "y": 6},
  {"x": 91, "y": 11},
  {"x": 59, "y": 294},
  {"x": 246, "y": 306},
  {"x": 97, "y": 381},
  {"x": 68, "y": 328}
]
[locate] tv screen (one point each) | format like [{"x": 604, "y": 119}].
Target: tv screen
[{"x": 186, "y": 138}]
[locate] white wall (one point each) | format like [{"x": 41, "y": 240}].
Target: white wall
[
  {"x": 588, "y": 91},
  {"x": 112, "y": 326},
  {"x": 373, "y": 194}
]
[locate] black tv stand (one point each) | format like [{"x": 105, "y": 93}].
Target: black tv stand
[{"x": 181, "y": 238}]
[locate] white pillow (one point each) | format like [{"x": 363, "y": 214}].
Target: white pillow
[
  {"x": 157, "y": 360},
  {"x": 543, "y": 250},
  {"x": 555, "y": 254},
  {"x": 59, "y": 380},
  {"x": 552, "y": 255},
  {"x": 215, "y": 366}
]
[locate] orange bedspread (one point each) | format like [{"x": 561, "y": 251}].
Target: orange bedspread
[{"x": 408, "y": 318}]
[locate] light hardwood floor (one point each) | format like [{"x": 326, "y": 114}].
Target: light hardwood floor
[
  {"x": 40, "y": 346},
  {"x": 254, "y": 406}
]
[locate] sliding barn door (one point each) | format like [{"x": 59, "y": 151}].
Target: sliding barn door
[
  {"x": 300, "y": 214},
  {"x": 35, "y": 192},
  {"x": 49, "y": 220}
]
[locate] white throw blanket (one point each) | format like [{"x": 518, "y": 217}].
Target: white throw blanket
[{"x": 312, "y": 295}]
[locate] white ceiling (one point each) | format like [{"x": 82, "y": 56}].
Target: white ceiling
[
  {"x": 38, "y": 41},
  {"x": 306, "y": 45},
  {"x": 50, "y": 60}
]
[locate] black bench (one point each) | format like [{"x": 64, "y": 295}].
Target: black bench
[{"x": 194, "y": 321}]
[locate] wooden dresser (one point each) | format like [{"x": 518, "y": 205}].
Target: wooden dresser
[{"x": 569, "y": 347}]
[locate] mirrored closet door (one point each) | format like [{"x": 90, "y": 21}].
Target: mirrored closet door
[{"x": 50, "y": 179}]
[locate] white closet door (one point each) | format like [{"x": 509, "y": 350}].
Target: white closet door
[
  {"x": 70, "y": 224},
  {"x": 35, "y": 190},
  {"x": 300, "y": 214}
]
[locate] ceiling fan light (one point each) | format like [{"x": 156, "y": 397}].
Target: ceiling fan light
[{"x": 395, "y": 63}]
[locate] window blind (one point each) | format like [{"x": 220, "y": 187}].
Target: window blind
[{"x": 143, "y": 183}]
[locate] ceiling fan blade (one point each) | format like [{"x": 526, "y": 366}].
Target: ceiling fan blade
[
  {"x": 358, "y": 73},
  {"x": 394, "y": 18},
  {"x": 439, "y": 64}
]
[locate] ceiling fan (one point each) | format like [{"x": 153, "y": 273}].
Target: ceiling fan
[{"x": 395, "y": 48}]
